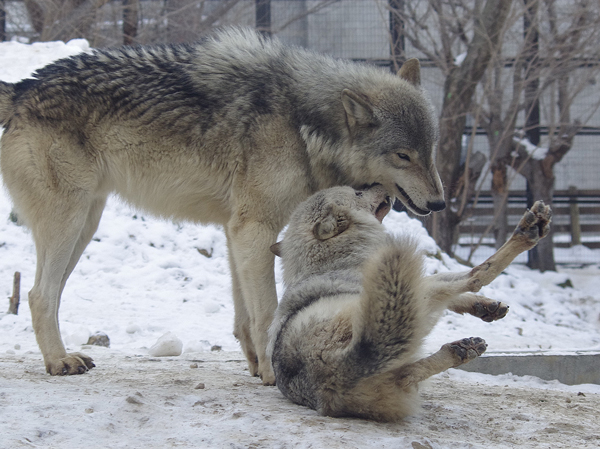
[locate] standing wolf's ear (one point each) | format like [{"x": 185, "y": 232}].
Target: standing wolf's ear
[
  {"x": 359, "y": 111},
  {"x": 276, "y": 249},
  {"x": 333, "y": 224},
  {"x": 411, "y": 72}
]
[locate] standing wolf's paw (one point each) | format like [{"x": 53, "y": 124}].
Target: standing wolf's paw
[
  {"x": 466, "y": 349},
  {"x": 268, "y": 378},
  {"x": 490, "y": 310},
  {"x": 74, "y": 363},
  {"x": 535, "y": 224}
]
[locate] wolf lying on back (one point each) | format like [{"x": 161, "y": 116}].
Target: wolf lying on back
[
  {"x": 235, "y": 130},
  {"x": 356, "y": 308}
]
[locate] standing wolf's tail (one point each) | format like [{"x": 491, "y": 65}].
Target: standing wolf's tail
[
  {"x": 6, "y": 94},
  {"x": 392, "y": 309}
]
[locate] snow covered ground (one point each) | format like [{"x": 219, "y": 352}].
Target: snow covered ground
[{"x": 141, "y": 278}]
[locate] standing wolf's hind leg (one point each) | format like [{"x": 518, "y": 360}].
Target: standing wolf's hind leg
[{"x": 59, "y": 244}]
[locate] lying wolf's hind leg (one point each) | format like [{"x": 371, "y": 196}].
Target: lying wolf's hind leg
[
  {"x": 391, "y": 310},
  {"x": 450, "y": 355},
  {"x": 479, "y": 306}
]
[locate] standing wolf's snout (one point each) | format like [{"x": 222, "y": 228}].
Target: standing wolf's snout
[{"x": 436, "y": 206}]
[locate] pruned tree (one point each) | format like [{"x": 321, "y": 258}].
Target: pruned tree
[
  {"x": 555, "y": 60},
  {"x": 514, "y": 56},
  {"x": 442, "y": 30},
  {"x": 515, "y": 76},
  {"x": 569, "y": 60}
]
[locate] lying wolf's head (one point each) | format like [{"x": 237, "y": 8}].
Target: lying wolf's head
[
  {"x": 335, "y": 229},
  {"x": 394, "y": 133}
]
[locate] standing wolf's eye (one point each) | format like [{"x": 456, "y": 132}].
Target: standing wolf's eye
[{"x": 404, "y": 157}]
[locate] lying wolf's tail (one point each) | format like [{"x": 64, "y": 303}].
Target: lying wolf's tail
[
  {"x": 393, "y": 311},
  {"x": 6, "y": 94}
]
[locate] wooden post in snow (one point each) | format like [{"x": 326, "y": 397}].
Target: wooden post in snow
[{"x": 16, "y": 296}]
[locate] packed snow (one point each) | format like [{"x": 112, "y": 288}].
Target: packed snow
[{"x": 161, "y": 292}]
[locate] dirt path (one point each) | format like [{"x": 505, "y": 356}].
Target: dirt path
[{"x": 157, "y": 403}]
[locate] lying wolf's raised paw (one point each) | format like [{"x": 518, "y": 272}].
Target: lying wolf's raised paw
[
  {"x": 490, "y": 311},
  {"x": 535, "y": 223},
  {"x": 467, "y": 349}
]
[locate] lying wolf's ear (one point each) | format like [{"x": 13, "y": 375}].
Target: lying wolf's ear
[
  {"x": 333, "y": 224},
  {"x": 411, "y": 72},
  {"x": 359, "y": 111},
  {"x": 276, "y": 249}
]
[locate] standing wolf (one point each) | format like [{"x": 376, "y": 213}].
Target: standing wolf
[
  {"x": 356, "y": 308},
  {"x": 235, "y": 130}
]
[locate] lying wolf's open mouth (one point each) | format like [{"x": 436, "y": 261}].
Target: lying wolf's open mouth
[
  {"x": 383, "y": 209},
  {"x": 410, "y": 202}
]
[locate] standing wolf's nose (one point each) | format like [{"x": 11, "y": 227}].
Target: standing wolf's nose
[{"x": 436, "y": 206}]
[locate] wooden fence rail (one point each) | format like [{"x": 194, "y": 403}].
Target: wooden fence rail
[{"x": 576, "y": 216}]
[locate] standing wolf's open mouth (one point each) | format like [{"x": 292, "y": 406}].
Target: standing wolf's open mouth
[{"x": 412, "y": 205}]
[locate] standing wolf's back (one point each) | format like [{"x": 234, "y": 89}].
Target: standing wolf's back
[
  {"x": 163, "y": 84},
  {"x": 149, "y": 83},
  {"x": 235, "y": 73}
]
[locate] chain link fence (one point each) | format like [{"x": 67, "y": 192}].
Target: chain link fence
[{"x": 366, "y": 31}]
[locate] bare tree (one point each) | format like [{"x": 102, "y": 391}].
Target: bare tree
[
  {"x": 570, "y": 51},
  {"x": 187, "y": 21},
  {"x": 63, "y": 19},
  {"x": 556, "y": 59},
  {"x": 553, "y": 56},
  {"x": 498, "y": 116},
  {"x": 440, "y": 29}
]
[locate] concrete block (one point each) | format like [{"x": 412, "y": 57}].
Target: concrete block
[{"x": 581, "y": 367}]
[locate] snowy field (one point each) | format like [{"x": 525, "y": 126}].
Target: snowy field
[{"x": 141, "y": 278}]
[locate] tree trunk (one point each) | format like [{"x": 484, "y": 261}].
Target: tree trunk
[
  {"x": 459, "y": 89},
  {"x": 541, "y": 184},
  {"x": 2, "y": 20},
  {"x": 263, "y": 16},
  {"x": 500, "y": 198},
  {"x": 130, "y": 21}
]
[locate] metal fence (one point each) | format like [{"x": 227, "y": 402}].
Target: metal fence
[{"x": 361, "y": 30}]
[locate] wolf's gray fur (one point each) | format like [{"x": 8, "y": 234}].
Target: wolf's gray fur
[
  {"x": 235, "y": 130},
  {"x": 347, "y": 332}
]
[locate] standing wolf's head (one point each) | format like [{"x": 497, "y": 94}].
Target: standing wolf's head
[{"x": 394, "y": 130}]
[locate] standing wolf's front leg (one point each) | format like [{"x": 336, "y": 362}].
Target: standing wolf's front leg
[{"x": 254, "y": 281}]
